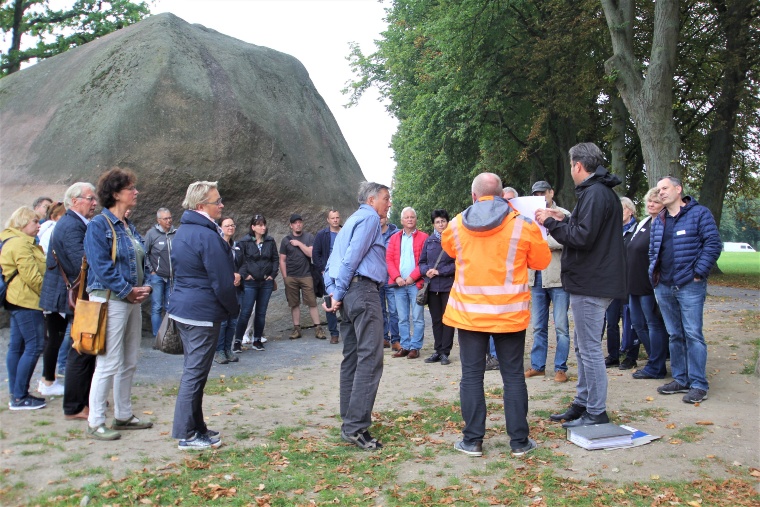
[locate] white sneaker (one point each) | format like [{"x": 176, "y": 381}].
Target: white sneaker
[
  {"x": 263, "y": 340},
  {"x": 247, "y": 340},
  {"x": 55, "y": 389}
]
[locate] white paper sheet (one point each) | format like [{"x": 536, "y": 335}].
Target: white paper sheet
[{"x": 528, "y": 205}]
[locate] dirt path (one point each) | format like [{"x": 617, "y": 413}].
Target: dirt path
[{"x": 295, "y": 383}]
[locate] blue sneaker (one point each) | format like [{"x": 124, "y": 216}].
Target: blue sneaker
[{"x": 199, "y": 443}]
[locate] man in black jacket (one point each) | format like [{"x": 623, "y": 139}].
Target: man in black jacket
[
  {"x": 593, "y": 273},
  {"x": 67, "y": 245},
  {"x": 323, "y": 243},
  {"x": 158, "y": 262}
]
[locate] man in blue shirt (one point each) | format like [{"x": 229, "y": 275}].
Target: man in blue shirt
[
  {"x": 323, "y": 245},
  {"x": 355, "y": 270}
]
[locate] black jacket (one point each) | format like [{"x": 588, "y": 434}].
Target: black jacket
[
  {"x": 446, "y": 267},
  {"x": 68, "y": 244},
  {"x": 593, "y": 260},
  {"x": 258, "y": 264}
]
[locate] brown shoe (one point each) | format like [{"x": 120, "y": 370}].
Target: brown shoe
[
  {"x": 296, "y": 333},
  {"x": 334, "y": 339},
  {"x": 319, "y": 334},
  {"x": 84, "y": 414},
  {"x": 401, "y": 353},
  {"x": 413, "y": 354},
  {"x": 386, "y": 344},
  {"x": 396, "y": 346},
  {"x": 533, "y": 373},
  {"x": 559, "y": 376}
]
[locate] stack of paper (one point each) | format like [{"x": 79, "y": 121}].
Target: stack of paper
[{"x": 600, "y": 436}]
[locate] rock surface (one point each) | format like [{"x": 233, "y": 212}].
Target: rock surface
[{"x": 177, "y": 103}]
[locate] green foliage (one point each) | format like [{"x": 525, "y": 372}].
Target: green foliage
[{"x": 57, "y": 31}]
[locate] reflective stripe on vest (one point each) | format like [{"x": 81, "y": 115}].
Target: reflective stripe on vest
[{"x": 488, "y": 309}]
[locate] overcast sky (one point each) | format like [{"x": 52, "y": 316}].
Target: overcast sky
[{"x": 317, "y": 33}]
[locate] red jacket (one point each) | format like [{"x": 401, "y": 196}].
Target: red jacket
[{"x": 393, "y": 256}]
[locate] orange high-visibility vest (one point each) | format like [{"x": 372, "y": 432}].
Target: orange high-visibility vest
[{"x": 491, "y": 292}]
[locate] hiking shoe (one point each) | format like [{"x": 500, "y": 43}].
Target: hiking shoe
[
  {"x": 102, "y": 433},
  {"x": 627, "y": 364},
  {"x": 445, "y": 359},
  {"x": 54, "y": 389},
  {"x": 334, "y": 339},
  {"x": 237, "y": 348},
  {"x": 232, "y": 358},
  {"x": 524, "y": 450},
  {"x": 221, "y": 358},
  {"x": 133, "y": 423},
  {"x": 475, "y": 449},
  {"x": 27, "y": 403},
  {"x": 530, "y": 372},
  {"x": 611, "y": 361},
  {"x": 672, "y": 388},
  {"x": 296, "y": 334},
  {"x": 492, "y": 363},
  {"x": 386, "y": 344},
  {"x": 199, "y": 443},
  {"x": 362, "y": 439},
  {"x": 695, "y": 396},
  {"x": 258, "y": 346},
  {"x": 319, "y": 334},
  {"x": 560, "y": 376}
]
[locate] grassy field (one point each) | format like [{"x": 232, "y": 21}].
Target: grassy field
[{"x": 740, "y": 269}]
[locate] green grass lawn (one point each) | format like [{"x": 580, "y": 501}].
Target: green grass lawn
[{"x": 740, "y": 269}]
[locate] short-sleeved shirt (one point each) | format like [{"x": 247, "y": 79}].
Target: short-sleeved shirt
[{"x": 297, "y": 263}]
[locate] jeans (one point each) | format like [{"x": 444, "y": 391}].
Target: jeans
[
  {"x": 362, "y": 364},
  {"x": 472, "y": 353},
  {"x": 116, "y": 368},
  {"x": 406, "y": 306},
  {"x": 390, "y": 317},
  {"x": 588, "y": 314},
  {"x": 227, "y": 330},
  {"x": 681, "y": 309},
  {"x": 24, "y": 349},
  {"x": 63, "y": 352},
  {"x": 647, "y": 321},
  {"x": 198, "y": 343},
  {"x": 332, "y": 323},
  {"x": 255, "y": 292},
  {"x": 560, "y": 300},
  {"x": 492, "y": 348},
  {"x": 443, "y": 335},
  {"x": 162, "y": 288}
]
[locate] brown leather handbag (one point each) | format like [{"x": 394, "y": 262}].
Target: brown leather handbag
[{"x": 88, "y": 330}]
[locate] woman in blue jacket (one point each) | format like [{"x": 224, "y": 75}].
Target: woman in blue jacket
[
  {"x": 204, "y": 296},
  {"x": 441, "y": 278}
]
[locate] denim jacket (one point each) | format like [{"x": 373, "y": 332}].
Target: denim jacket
[{"x": 103, "y": 274}]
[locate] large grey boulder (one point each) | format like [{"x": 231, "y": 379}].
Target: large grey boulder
[{"x": 177, "y": 103}]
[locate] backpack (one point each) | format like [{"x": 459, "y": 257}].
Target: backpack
[{"x": 3, "y": 283}]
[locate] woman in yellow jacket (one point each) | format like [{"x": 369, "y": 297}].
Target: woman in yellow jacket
[{"x": 23, "y": 266}]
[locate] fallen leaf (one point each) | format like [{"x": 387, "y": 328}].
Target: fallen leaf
[
  {"x": 655, "y": 477},
  {"x": 649, "y": 398},
  {"x": 705, "y": 423},
  {"x": 148, "y": 412},
  {"x": 755, "y": 472},
  {"x": 670, "y": 426},
  {"x": 114, "y": 458}
]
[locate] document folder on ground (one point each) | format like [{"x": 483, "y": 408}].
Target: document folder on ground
[{"x": 599, "y": 436}]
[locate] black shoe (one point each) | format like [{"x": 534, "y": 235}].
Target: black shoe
[
  {"x": 587, "y": 420},
  {"x": 672, "y": 388},
  {"x": 641, "y": 374},
  {"x": 445, "y": 359},
  {"x": 571, "y": 414},
  {"x": 434, "y": 358},
  {"x": 492, "y": 363},
  {"x": 695, "y": 396},
  {"x": 237, "y": 348},
  {"x": 611, "y": 361},
  {"x": 628, "y": 364}
]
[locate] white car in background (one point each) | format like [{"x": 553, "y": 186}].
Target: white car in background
[{"x": 737, "y": 247}]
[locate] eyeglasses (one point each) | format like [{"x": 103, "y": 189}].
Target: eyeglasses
[
  {"x": 90, "y": 198},
  {"x": 166, "y": 218},
  {"x": 230, "y": 225},
  {"x": 215, "y": 203}
]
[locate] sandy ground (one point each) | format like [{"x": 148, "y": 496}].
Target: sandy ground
[{"x": 295, "y": 383}]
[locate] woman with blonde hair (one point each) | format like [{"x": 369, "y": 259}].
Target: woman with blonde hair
[{"x": 23, "y": 266}]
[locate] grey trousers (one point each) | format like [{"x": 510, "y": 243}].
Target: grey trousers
[
  {"x": 362, "y": 366},
  {"x": 200, "y": 345},
  {"x": 588, "y": 314}
]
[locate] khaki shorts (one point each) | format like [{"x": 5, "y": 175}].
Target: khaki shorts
[{"x": 294, "y": 286}]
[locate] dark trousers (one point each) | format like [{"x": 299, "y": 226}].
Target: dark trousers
[
  {"x": 362, "y": 365},
  {"x": 76, "y": 384},
  {"x": 510, "y": 347},
  {"x": 55, "y": 325},
  {"x": 443, "y": 335},
  {"x": 200, "y": 344}
]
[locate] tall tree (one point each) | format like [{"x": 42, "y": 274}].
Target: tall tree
[{"x": 59, "y": 30}]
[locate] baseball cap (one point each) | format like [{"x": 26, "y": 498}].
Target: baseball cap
[
  {"x": 540, "y": 186},
  {"x": 295, "y": 217}
]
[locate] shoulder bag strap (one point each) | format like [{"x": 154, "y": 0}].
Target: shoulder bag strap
[
  {"x": 113, "y": 247},
  {"x": 438, "y": 259},
  {"x": 60, "y": 268}
]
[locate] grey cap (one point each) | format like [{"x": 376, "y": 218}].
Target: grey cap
[
  {"x": 295, "y": 217},
  {"x": 540, "y": 186}
]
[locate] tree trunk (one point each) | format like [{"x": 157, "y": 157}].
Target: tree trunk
[
  {"x": 618, "y": 164},
  {"x": 18, "y": 17},
  {"x": 734, "y": 20},
  {"x": 650, "y": 100}
]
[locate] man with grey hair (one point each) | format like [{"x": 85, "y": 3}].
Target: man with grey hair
[
  {"x": 403, "y": 258},
  {"x": 509, "y": 193},
  {"x": 158, "y": 263},
  {"x": 593, "y": 273},
  {"x": 353, "y": 276},
  {"x": 41, "y": 205},
  {"x": 65, "y": 256}
]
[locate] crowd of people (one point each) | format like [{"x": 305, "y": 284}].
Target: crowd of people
[{"x": 488, "y": 274}]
